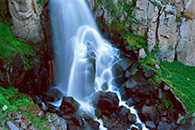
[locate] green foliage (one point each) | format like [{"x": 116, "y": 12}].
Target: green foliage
[
  {"x": 135, "y": 40},
  {"x": 183, "y": 121},
  {"x": 9, "y": 45},
  {"x": 183, "y": 2},
  {"x": 13, "y": 100},
  {"x": 118, "y": 9},
  {"x": 181, "y": 79},
  {"x": 155, "y": 3},
  {"x": 42, "y": 2},
  {"x": 178, "y": 19},
  {"x": 96, "y": 6},
  {"x": 133, "y": 71},
  {"x": 164, "y": 102}
]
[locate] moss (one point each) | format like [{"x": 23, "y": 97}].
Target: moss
[
  {"x": 9, "y": 45},
  {"x": 14, "y": 100},
  {"x": 43, "y": 2},
  {"x": 135, "y": 40},
  {"x": 178, "y": 19},
  {"x": 133, "y": 71},
  {"x": 96, "y": 6},
  {"x": 183, "y": 121},
  {"x": 181, "y": 79},
  {"x": 166, "y": 103}
]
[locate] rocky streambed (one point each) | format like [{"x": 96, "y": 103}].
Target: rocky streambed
[{"x": 156, "y": 104}]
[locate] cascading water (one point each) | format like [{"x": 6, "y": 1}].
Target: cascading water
[{"x": 83, "y": 58}]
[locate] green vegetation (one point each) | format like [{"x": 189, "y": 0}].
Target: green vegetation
[
  {"x": 178, "y": 19},
  {"x": 181, "y": 79},
  {"x": 9, "y": 45},
  {"x": 16, "y": 101},
  {"x": 164, "y": 103},
  {"x": 155, "y": 3},
  {"x": 96, "y": 6},
  {"x": 119, "y": 9},
  {"x": 135, "y": 40},
  {"x": 43, "y": 2},
  {"x": 133, "y": 71}
]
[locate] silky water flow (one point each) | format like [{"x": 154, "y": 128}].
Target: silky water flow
[{"x": 83, "y": 58}]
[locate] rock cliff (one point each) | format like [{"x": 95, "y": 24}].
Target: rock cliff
[
  {"x": 168, "y": 23},
  {"x": 26, "y": 20}
]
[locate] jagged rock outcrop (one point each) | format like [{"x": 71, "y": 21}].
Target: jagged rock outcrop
[
  {"x": 26, "y": 20},
  {"x": 186, "y": 44},
  {"x": 168, "y": 23}
]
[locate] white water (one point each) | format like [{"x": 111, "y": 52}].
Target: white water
[{"x": 83, "y": 58}]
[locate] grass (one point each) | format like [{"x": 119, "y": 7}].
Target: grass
[
  {"x": 42, "y": 2},
  {"x": 135, "y": 40},
  {"x": 9, "y": 45},
  {"x": 14, "y": 100},
  {"x": 181, "y": 79}
]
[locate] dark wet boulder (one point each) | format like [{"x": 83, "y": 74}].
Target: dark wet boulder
[
  {"x": 150, "y": 125},
  {"x": 123, "y": 111},
  {"x": 124, "y": 93},
  {"x": 53, "y": 94},
  {"x": 121, "y": 66},
  {"x": 69, "y": 105},
  {"x": 130, "y": 102},
  {"x": 108, "y": 123},
  {"x": 36, "y": 99},
  {"x": 148, "y": 113},
  {"x": 118, "y": 81},
  {"x": 92, "y": 124},
  {"x": 128, "y": 74},
  {"x": 52, "y": 108},
  {"x": 131, "y": 118},
  {"x": 163, "y": 126},
  {"x": 149, "y": 73},
  {"x": 108, "y": 100},
  {"x": 78, "y": 120}
]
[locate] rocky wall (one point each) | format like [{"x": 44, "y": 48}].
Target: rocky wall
[
  {"x": 31, "y": 73},
  {"x": 164, "y": 22}
]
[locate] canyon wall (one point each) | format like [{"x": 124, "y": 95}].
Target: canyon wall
[{"x": 168, "y": 23}]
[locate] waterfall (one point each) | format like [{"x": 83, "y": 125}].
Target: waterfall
[{"x": 83, "y": 57}]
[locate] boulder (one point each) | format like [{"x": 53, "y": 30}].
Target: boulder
[
  {"x": 163, "y": 126},
  {"x": 150, "y": 124},
  {"x": 149, "y": 73},
  {"x": 69, "y": 105},
  {"x": 148, "y": 113},
  {"x": 11, "y": 126},
  {"x": 142, "y": 53},
  {"x": 130, "y": 102},
  {"x": 108, "y": 102},
  {"x": 119, "y": 67}
]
